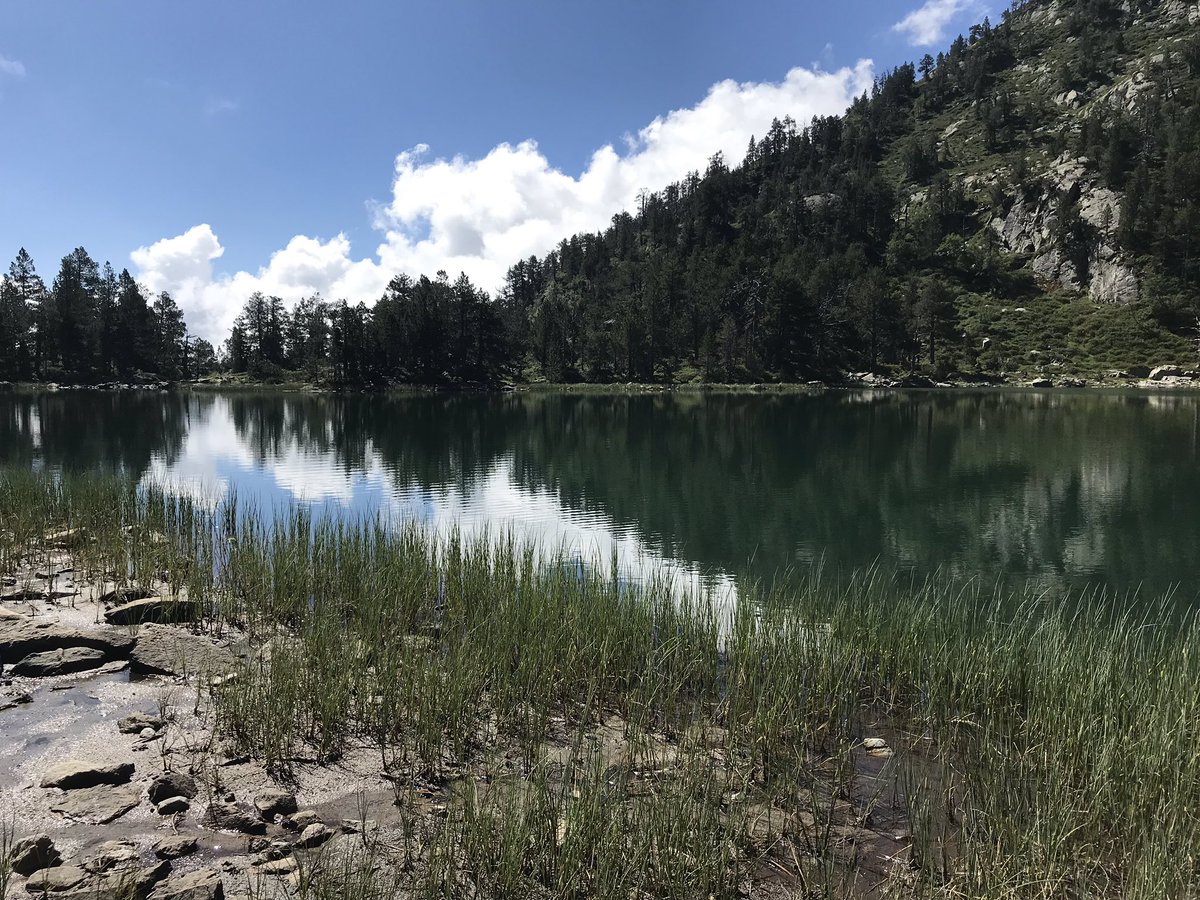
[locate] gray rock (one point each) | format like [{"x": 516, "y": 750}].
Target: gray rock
[
  {"x": 129, "y": 883},
  {"x": 101, "y": 804},
  {"x": 313, "y": 836},
  {"x": 164, "y": 650},
  {"x": 32, "y": 853},
  {"x": 279, "y": 867},
  {"x": 1112, "y": 282},
  {"x": 21, "y": 637},
  {"x": 172, "y": 784},
  {"x": 175, "y": 847},
  {"x": 161, "y": 610},
  {"x": 77, "y": 773},
  {"x": 135, "y": 723},
  {"x": 1161, "y": 372},
  {"x": 274, "y": 802},
  {"x": 55, "y": 880},
  {"x": 12, "y": 700},
  {"x": 66, "y": 661},
  {"x": 301, "y": 820},
  {"x": 112, "y": 855},
  {"x": 203, "y": 884},
  {"x": 233, "y": 817},
  {"x": 173, "y": 805}
]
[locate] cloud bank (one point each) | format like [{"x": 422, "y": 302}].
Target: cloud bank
[
  {"x": 927, "y": 26},
  {"x": 481, "y": 215}
]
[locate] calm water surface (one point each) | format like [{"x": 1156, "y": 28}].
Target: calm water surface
[{"x": 1072, "y": 488}]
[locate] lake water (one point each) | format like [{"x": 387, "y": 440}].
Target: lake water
[{"x": 1073, "y": 488}]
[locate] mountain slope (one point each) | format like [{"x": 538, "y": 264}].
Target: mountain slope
[{"x": 1027, "y": 202}]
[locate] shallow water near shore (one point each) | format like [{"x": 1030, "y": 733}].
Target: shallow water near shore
[{"x": 1070, "y": 488}]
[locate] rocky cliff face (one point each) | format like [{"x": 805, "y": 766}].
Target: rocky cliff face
[{"x": 1031, "y": 222}]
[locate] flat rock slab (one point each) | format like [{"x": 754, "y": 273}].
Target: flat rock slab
[
  {"x": 129, "y": 883},
  {"x": 66, "y": 661},
  {"x": 56, "y": 880},
  {"x": 78, "y": 773},
  {"x": 13, "y": 699},
  {"x": 164, "y": 650},
  {"x": 160, "y": 610},
  {"x": 21, "y": 637},
  {"x": 112, "y": 855},
  {"x": 175, "y": 847},
  {"x": 203, "y": 884},
  {"x": 100, "y": 805}
]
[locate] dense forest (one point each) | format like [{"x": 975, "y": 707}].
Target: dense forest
[
  {"x": 1048, "y": 164},
  {"x": 92, "y": 325}
]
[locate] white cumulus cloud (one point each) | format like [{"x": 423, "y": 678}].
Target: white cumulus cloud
[
  {"x": 927, "y": 25},
  {"x": 481, "y": 215},
  {"x": 12, "y": 67}
]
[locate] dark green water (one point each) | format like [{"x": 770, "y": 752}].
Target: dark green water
[{"x": 1073, "y": 488}]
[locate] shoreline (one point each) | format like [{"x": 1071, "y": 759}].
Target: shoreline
[
  {"x": 1180, "y": 380},
  {"x": 453, "y": 712}
]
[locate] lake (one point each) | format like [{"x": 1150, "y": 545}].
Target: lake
[{"x": 1073, "y": 488}]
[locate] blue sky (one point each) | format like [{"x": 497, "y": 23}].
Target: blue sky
[{"x": 270, "y": 144}]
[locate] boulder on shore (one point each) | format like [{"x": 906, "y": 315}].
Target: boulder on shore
[
  {"x": 66, "y": 661},
  {"x": 21, "y": 637},
  {"x": 176, "y": 846},
  {"x": 164, "y": 650},
  {"x": 135, "y": 723},
  {"x": 233, "y": 817},
  {"x": 55, "y": 880},
  {"x": 159, "y": 610},
  {"x": 100, "y": 804},
  {"x": 32, "y": 853},
  {"x": 203, "y": 884},
  {"x": 274, "y": 802},
  {"x": 172, "y": 784},
  {"x": 74, "y": 773}
]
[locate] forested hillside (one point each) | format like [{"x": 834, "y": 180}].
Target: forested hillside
[{"x": 1027, "y": 202}]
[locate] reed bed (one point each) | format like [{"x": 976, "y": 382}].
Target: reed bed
[{"x": 553, "y": 730}]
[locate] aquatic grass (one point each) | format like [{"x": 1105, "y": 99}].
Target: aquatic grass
[{"x": 587, "y": 736}]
